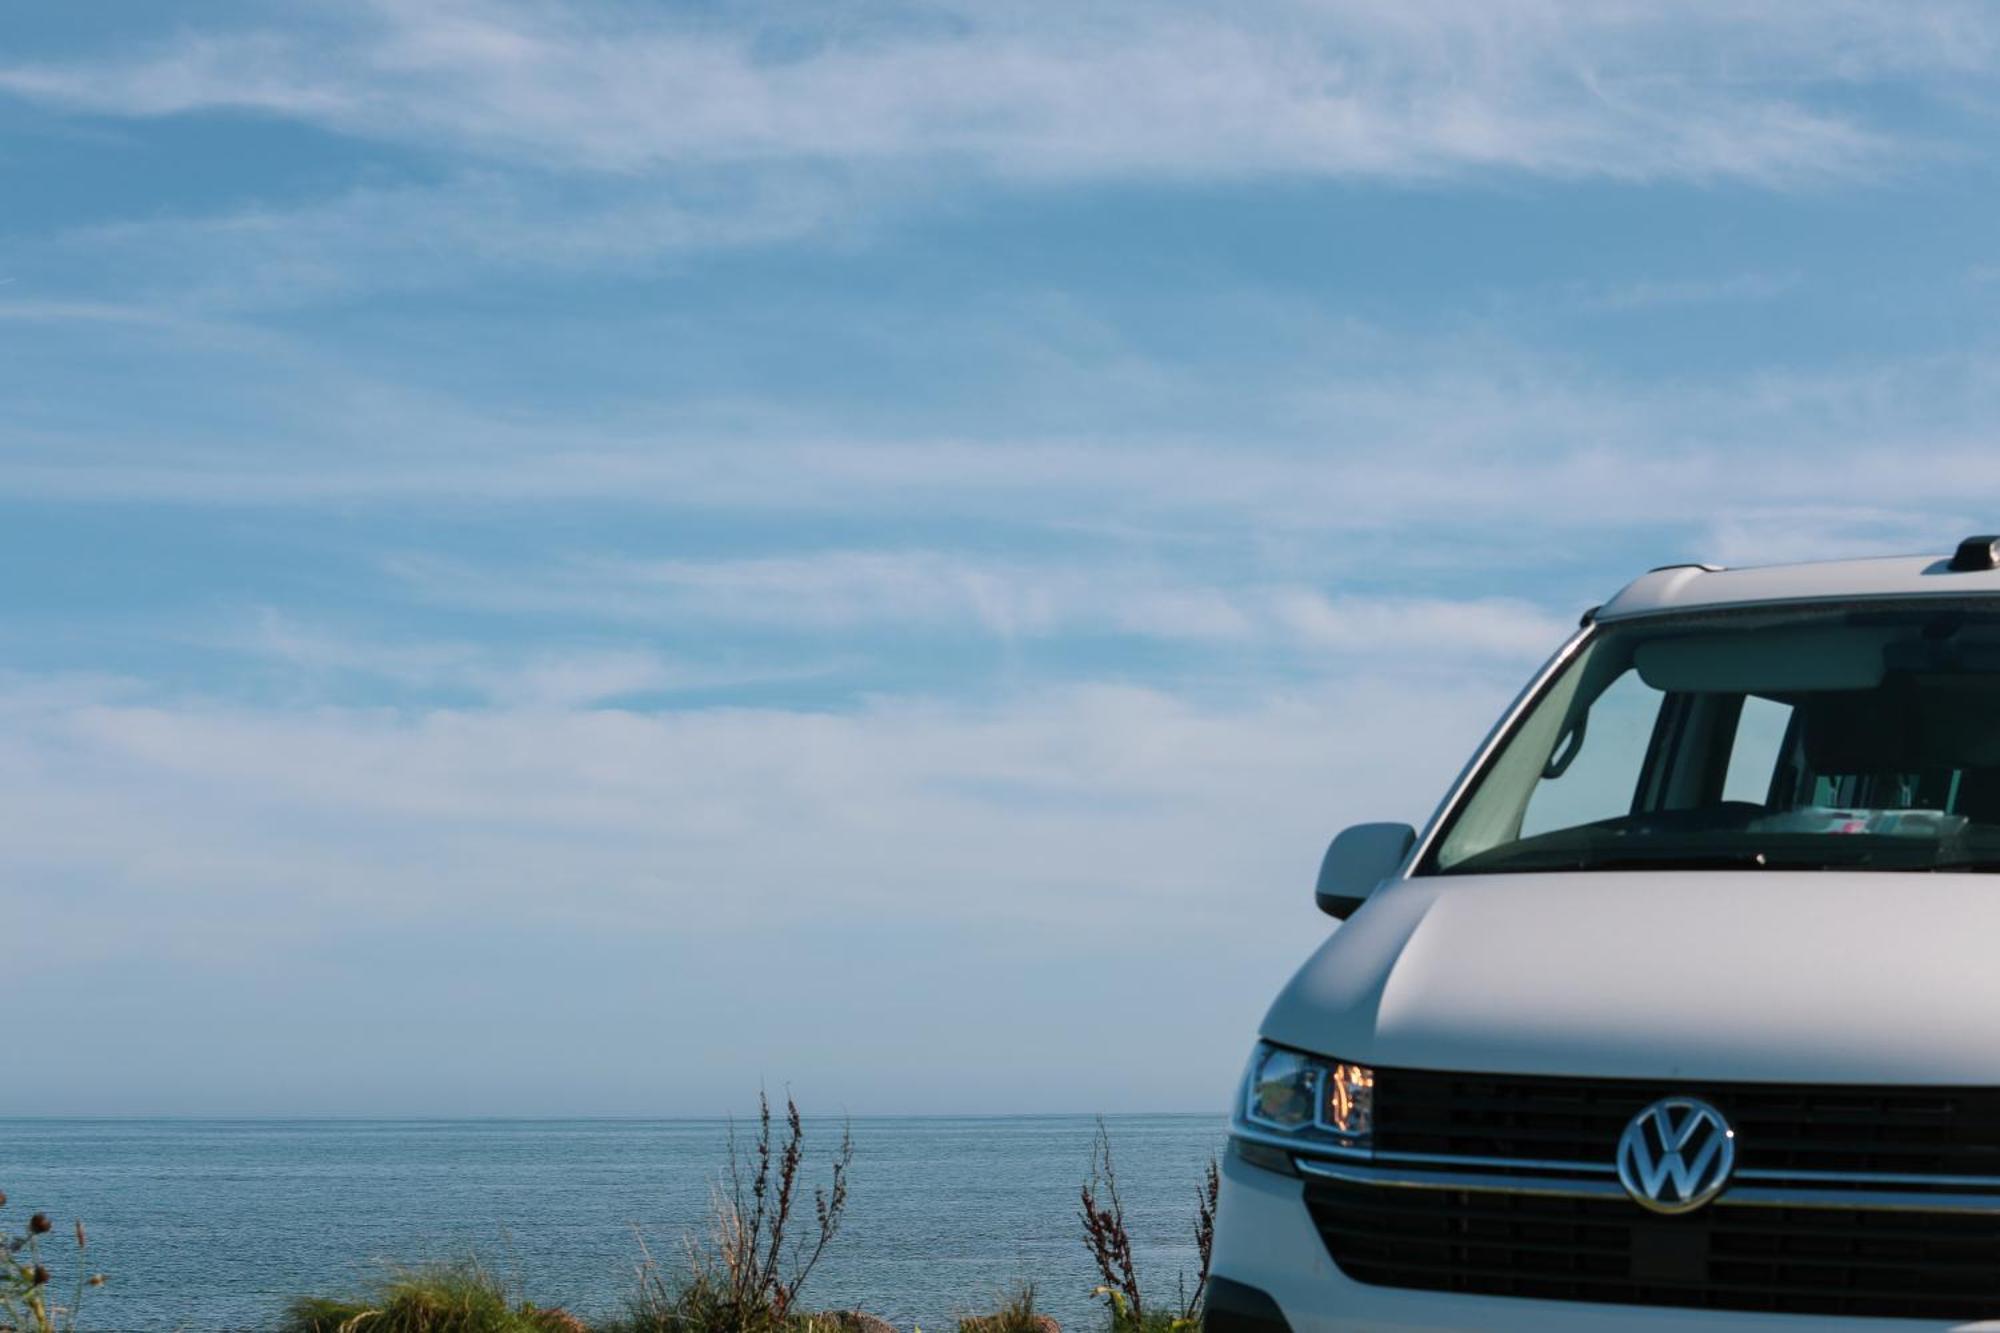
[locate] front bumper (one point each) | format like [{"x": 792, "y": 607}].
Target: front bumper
[{"x": 1265, "y": 1240}]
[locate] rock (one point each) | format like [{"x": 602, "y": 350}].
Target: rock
[
  {"x": 854, "y": 1321},
  {"x": 556, "y": 1320}
]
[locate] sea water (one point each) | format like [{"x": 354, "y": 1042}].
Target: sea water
[{"x": 215, "y": 1225}]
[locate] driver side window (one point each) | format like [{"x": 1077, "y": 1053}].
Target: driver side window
[
  {"x": 1599, "y": 779},
  {"x": 1761, "y": 731}
]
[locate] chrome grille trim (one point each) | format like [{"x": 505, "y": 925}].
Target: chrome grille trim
[
  {"x": 1801, "y": 1193},
  {"x": 1306, "y": 1150}
]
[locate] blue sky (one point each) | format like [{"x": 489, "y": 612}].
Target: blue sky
[{"x": 576, "y": 560}]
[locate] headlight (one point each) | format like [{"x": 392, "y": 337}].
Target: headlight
[
  {"x": 1304, "y": 1094},
  {"x": 1282, "y": 1089},
  {"x": 1347, "y": 1105}
]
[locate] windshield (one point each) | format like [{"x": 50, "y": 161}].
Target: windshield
[{"x": 1856, "y": 739}]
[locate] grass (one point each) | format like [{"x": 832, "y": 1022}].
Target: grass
[
  {"x": 1016, "y": 1314},
  {"x": 468, "y": 1298},
  {"x": 449, "y": 1298},
  {"x": 697, "y": 1305}
]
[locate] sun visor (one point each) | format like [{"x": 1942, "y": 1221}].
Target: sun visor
[{"x": 1804, "y": 659}]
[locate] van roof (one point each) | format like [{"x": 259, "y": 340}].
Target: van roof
[{"x": 1696, "y": 587}]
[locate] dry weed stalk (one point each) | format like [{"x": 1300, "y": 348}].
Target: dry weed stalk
[
  {"x": 26, "y": 1305},
  {"x": 1204, "y": 1235},
  {"x": 1110, "y": 1244},
  {"x": 1105, "y": 1232},
  {"x": 745, "y": 1274},
  {"x": 755, "y": 1218}
]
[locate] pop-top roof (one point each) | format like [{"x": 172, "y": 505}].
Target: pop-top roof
[{"x": 1695, "y": 587}]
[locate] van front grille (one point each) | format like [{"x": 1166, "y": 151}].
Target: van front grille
[
  {"x": 1823, "y": 1261},
  {"x": 1780, "y": 1128}
]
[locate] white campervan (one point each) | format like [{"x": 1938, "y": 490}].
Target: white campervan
[{"x": 1683, "y": 1010}]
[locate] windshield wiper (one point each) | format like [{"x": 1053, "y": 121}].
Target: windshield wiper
[
  {"x": 1583, "y": 861},
  {"x": 1721, "y": 861}
]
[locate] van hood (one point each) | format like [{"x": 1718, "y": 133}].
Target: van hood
[{"x": 1765, "y": 976}]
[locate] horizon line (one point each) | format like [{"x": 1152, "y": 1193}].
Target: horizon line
[{"x": 213, "y": 1118}]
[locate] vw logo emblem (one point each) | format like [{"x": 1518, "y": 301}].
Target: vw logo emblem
[{"x": 1676, "y": 1155}]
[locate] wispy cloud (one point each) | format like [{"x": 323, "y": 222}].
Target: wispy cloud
[
  {"x": 1669, "y": 293},
  {"x": 935, "y": 591},
  {"x": 313, "y": 658},
  {"x": 258, "y": 874},
  {"x": 1341, "y": 89},
  {"x": 1393, "y": 626},
  {"x": 620, "y": 139},
  {"x": 418, "y": 236},
  {"x": 1755, "y": 534},
  {"x": 1472, "y": 440},
  {"x": 706, "y": 817},
  {"x": 573, "y": 140}
]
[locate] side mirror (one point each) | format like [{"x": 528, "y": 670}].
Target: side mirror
[{"x": 1357, "y": 862}]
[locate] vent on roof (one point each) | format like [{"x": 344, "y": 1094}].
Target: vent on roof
[{"x": 1977, "y": 553}]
